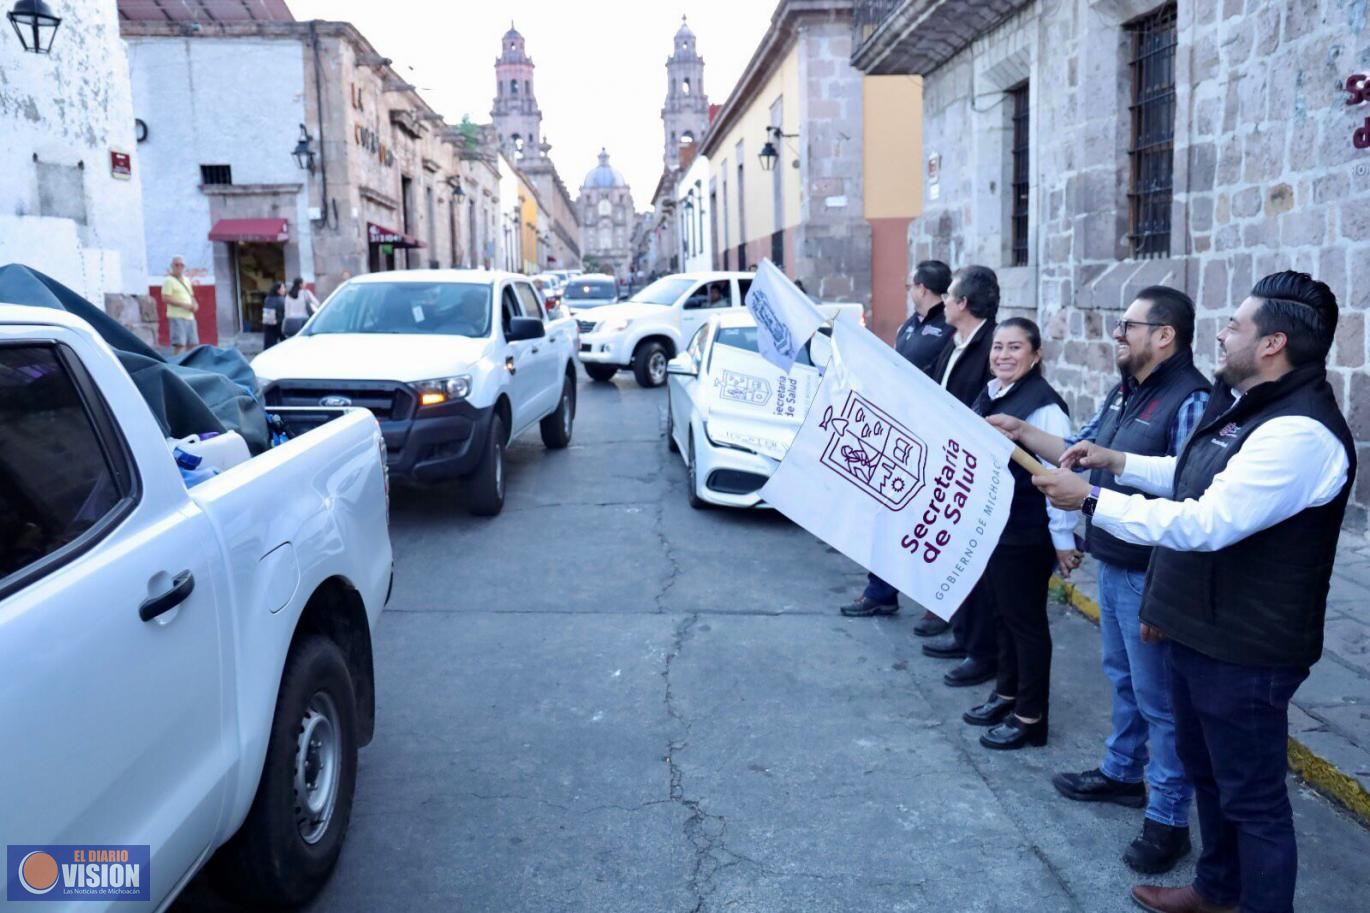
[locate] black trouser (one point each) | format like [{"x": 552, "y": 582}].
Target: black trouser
[
  {"x": 1231, "y": 732},
  {"x": 270, "y": 335},
  {"x": 1018, "y": 575},
  {"x": 974, "y": 625}
]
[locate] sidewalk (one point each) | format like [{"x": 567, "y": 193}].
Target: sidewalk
[{"x": 1329, "y": 725}]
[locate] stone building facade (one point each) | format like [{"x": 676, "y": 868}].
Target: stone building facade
[
  {"x": 71, "y": 195},
  {"x": 606, "y": 219},
  {"x": 800, "y": 93},
  {"x": 516, "y": 114},
  {"x": 1247, "y": 152},
  {"x": 685, "y": 113}
]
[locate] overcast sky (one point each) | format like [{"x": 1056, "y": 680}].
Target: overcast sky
[{"x": 601, "y": 65}]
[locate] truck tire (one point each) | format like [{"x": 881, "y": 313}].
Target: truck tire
[
  {"x": 485, "y": 486},
  {"x": 286, "y": 849},
  {"x": 556, "y": 428},
  {"x": 692, "y": 493},
  {"x": 601, "y": 373},
  {"x": 649, "y": 364}
]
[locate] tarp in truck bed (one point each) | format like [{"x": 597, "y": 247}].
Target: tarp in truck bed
[{"x": 206, "y": 389}]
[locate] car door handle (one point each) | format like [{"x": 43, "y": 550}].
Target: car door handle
[
  {"x": 535, "y": 350},
  {"x": 181, "y": 588}
]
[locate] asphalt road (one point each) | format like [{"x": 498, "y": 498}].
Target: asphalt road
[{"x": 603, "y": 700}]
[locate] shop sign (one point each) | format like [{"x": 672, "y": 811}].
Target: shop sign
[
  {"x": 934, "y": 176},
  {"x": 120, "y": 164},
  {"x": 375, "y": 234},
  {"x": 1358, "y": 93},
  {"x": 370, "y": 140}
]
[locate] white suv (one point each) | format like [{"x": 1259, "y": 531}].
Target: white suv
[{"x": 647, "y": 330}]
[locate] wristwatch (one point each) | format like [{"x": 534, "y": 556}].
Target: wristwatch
[{"x": 1090, "y": 502}]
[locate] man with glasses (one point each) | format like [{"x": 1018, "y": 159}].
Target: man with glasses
[
  {"x": 1152, "y": 411},
  {"x": 920, "y": 340}
]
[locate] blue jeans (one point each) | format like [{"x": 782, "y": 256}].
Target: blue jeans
[
  {"x": 1142, "y": 712},
  {"x": 1232, "y": 729},
  {"x": 878, "y": 590}
]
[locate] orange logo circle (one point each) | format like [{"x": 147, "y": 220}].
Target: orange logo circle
[{"x": 38, "y": 872}]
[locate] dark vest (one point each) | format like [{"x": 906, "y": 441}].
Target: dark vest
[
  {"x": 922, "y": 340},
  {"x": 971, "y": 371},
  {"x": 1260, "y": 601},
  {"x": 1137, "y": 418},
  {"x": 1027, "y": 518}
]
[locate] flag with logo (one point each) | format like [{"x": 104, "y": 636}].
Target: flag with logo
[
  {"x": 785, "y": 317},
  {"x": 897, "y": 474}
]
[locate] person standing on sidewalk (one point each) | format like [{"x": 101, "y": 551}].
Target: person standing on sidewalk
[
  {"x": 300, "y": 305},
  {"x": 963, "y": 371},
  {"x": 178, "y": 295},
  {"x": 1239, "y": 579},
  {"x": 920, "y": 340},
  {"x": 1151, "y": 412}
]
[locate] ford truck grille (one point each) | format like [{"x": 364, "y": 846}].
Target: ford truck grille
[{"x": 387, "y": 400}]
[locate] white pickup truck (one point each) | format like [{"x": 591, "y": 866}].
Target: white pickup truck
[
  {"x": 183, "y": 669},
  {"x": 454, "y": 364}
]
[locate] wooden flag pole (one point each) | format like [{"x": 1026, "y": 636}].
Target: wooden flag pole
[{"x": 1028, "y": 462}]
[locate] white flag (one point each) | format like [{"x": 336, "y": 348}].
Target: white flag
[
  {"x": 897, "y": 474},
  {"x": 785, "y": 317}
]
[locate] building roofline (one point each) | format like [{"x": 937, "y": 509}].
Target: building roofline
[
  {"x": 920, "y": 36},
  {"x": 780, "y": 36}
]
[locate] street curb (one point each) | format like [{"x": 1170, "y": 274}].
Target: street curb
[{"x": 1312, "y": 768}]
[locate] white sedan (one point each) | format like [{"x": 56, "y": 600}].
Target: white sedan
[{"x": 731, "y": 413}]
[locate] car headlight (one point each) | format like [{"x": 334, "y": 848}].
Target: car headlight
[
  {"x": 614, "y": 326},
  {"x": 442, "y": 389},
  {"x": 726, "y": 445}
]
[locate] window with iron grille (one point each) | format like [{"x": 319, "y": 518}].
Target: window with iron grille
[
  {"x": 1018, "y": 214},
  {"x": 216, "y": 174},
  {"x": 1151, "y": 151}
]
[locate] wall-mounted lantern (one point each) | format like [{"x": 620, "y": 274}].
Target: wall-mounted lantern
[
  {"x": 35, "y": 25},
  {"x": 768, "y": 153},
  {"x": 304, "y": 150}
]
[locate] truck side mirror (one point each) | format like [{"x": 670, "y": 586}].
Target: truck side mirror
[{"x": 521, "y": 328}]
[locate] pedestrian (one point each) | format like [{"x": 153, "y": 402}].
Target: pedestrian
[
  {"x": 1245, "y": 530},
  {"x": 300, "y": 305},
  {"x": 1151, "y": 412},
  {"x": 1036, "y": 539},
  {"x": 962, "y": 368},
  {"x": 178, "y": 295},
  {"x": 920, "y": 340},
  {"x": 273, "y": 315}
]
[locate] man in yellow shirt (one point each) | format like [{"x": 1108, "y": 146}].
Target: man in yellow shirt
[{"x": 179, "y": 297}]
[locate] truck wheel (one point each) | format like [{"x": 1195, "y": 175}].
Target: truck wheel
[
  {"x": 649, "y": 364},
  {"x": 556, "y": 428},
  {"x": 671, "y": 445},
  {"x": 692, "y": 495},
  {"x": 601, "y": 372},
  {"x": 286, "y": 849},
  {"x": 485, "y": 486}
]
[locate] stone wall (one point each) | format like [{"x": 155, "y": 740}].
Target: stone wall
[{"x": 1266, "y": 175}]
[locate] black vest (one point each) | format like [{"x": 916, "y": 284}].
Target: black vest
[
  {"x": 922, "y": 340},
  {"x": 1260, "y": 601},
  {"x": 1137, "y": 418},
  {"x": 1027, "y": 518}
]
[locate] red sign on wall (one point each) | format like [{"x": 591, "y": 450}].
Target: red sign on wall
[
  {"x": 120, "y": 164},
  {"x": 1358, "y": 92}
]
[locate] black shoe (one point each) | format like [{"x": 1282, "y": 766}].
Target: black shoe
[
  {"x": 990, "y": 712},
  {"x": 930, "y": 626},
  {"x": 1157, "y": 848},
  {"x": 944, "y": 647},
  {"x": 969, "y": 672},
  {"x": 1096, "y": 786},
  {"x": 865, "y": 608},
  {"x": 1013, "y": 734}
]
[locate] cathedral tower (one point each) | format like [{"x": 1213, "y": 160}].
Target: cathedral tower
[
  {"x": 516, "y": 115},
  {"x": 685, "y": 116}
]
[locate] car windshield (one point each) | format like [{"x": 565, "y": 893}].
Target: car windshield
[
  {"x": 663, "y": 291},
  {"x": 423, "y": 308},
  {"x": 744, "y": 338},
  {"x": 591, "y": 292}
]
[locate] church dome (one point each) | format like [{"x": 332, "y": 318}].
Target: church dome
[
  {"x": 684, "y": 30},
  {"x": 603, "y": 176}
]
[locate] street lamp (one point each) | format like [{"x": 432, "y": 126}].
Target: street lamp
[
  {"x": 304, "y": 150},
  {"x": 689, "y": 205},
  {"x": 768, "y": 153},
  {"x": 457, "y": 193},
  {"x": 35, "y": 25}
]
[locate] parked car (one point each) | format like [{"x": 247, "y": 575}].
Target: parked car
[
  {"x": 592, "y": 290},
  {"x": 651, "y": 327},
  {"x": 187, "y": 668},
  {"x": 454, "y": 364},
  {"x": 731, "y": 414}
]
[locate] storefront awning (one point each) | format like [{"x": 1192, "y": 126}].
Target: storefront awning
[
  {"x": 270, "y": 230},
  {"x": 379, "y": 234}
]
